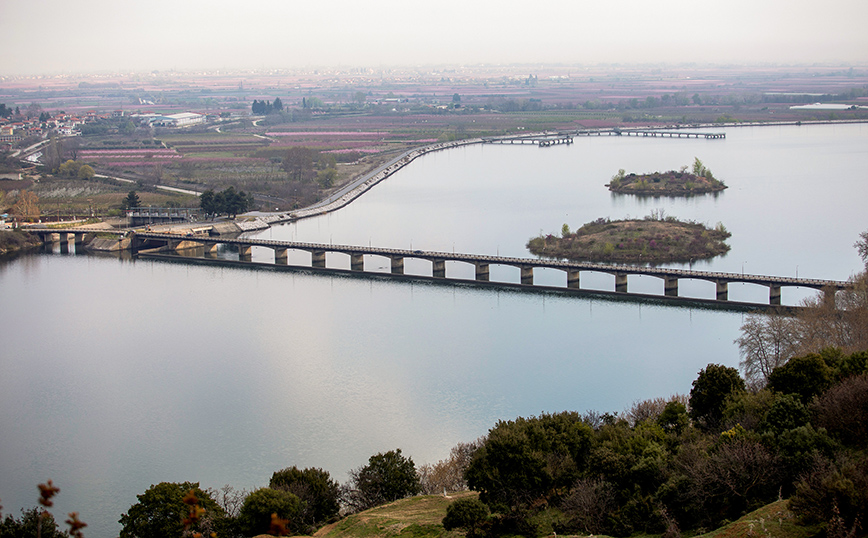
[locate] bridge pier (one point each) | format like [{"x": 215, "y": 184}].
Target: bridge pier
[
  {"x": 722, "y": 290},
  {"x": 829, "y": 296},
  {"x": 774, "y": 294},
  {"x": 482, "y": 272},
  {"x": 621, "y": 282},
  {"x": 670, "y": 286},
  {"x": 318, "y": 259},
  {"x": 398, "y": 265},
  {"x": 280, "y": 256},
  {"x": 245, "y": 253},
  {"x": 439, "y": 269},
  {"x": 527, "y": 275},
  {"x": 357, "y": 262},
  {"x": 78, "y": 239},
  {"x": 573, "y": 279},
  {"x": 210, "y": 248}
]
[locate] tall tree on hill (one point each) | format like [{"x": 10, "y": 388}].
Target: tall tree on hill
[
  {"x": 132, "y": 200},
  {"x": 710, "y": 391},
  {"x": 386, "y": 478}
]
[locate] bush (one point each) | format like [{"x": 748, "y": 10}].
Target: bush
[
  {"x": 255, "y": 517},
  {"x": 468, "y": 514},
  {"x": 160, "y": 510},
  {"x": 319, "y": 494},
  {"x": 843, "y": 411}
]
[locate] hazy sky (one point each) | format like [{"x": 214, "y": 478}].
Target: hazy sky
[{"x": 45, "y": 36}]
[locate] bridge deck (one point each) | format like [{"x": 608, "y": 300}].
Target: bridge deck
[{"x": 660, "y": 272}]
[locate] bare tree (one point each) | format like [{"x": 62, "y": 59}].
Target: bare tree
[
  {"x": 842, "y": 323},
  {"x": 590, "y": 503},
  {"x": 229, "y": 499},
  {"x": 766, "y": 342},
  {"x": 26, "y": 206},
  {"x": 448, "y": 475},
  {"x": 862, "y": 247}
]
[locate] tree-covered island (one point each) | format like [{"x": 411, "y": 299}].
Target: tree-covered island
[
  {"x": 672, "y": 183},
  {"x": 654, "y": 239}
]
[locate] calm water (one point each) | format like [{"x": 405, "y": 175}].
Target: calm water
[{"x": 117, "y": 374}]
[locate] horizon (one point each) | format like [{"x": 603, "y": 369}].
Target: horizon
[{"x": 97, "y": 36}]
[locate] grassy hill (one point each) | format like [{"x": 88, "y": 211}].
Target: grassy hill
[
  {"x": 420, "y": 517},
  {"x": 415, "y": 517}
]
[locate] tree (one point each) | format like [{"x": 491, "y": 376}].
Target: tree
[
  {"x": 526, "y": 462},
  {"x": 85, "y": 172},
  {"x": 710, "y": 391},
  {"x": 469, "y": 514},
  {"x": 448, "y": 474},
  {"x": 33, "y": 523},
  {"x": 843, "y": 410},
  {"x": 209, "y": 203},
  {"x": 298, "y": 162},
  {"x": 387, "y": 477},
  {"x": 326, "y": 178},
  {"x": 862, "y": 247},
  {"x": 255, "y": 516},
  {"x": 805, "y": 377},
  {"x": 766, "y": 342},
  {"x": 132, "y": 200},
  {"x": 161, "y": 509},
  {"x": 319, "y": 494},
  {"x": 277, "y": 105},
  {"x": 26, "y": 206}
]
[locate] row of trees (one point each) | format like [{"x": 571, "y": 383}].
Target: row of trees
[
  {"x": 226, "y": 202},
  {"x": 670, "y": 467},
  {"x": 296, "y": 501},
  {"x": 263, "y": 108}
]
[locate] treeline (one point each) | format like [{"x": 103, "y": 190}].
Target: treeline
[
  {"x": 668, "y": 467},
  {"x": 263, "y": 108},
  {"x": 226, "y": 202}
]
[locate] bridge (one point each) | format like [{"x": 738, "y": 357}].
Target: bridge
[
  {"x": 541, "y": 140},
  {"x": 653, "y": 133},
  {"x": 566, "y": 137},
  {"x": 482, "y": 263}
]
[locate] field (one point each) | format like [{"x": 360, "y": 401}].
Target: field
[{"x": 354, "y": 119}]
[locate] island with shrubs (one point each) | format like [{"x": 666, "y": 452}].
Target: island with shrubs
[
  {"x": 655, "y": 239},
  {"x": 699, "y": 180}
]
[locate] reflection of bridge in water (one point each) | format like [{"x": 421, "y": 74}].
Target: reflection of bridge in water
[{"x": 482, "y": 263}]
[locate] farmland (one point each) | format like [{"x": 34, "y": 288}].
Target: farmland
[{"x": 346, "y": 122}]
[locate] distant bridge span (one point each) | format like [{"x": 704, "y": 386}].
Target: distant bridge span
[{"x": 482, "y": 263}]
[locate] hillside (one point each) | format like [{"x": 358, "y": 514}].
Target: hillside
[
  {"x": 415, "y": 517},
  {"x": 420, "y": 517}
]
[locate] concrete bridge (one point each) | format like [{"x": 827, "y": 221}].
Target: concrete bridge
[
  {"x": 541, "y": 140},
  {"x": 482, "y": 263},
  {"x": 653, "y": 133},
  {"x": 65, "y": 236}
]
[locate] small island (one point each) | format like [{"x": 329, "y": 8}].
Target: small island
[
  {"x": 671, "y": 183},
  {"x": 655, "y": 239}
]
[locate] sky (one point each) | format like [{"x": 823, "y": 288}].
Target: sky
[{"x": 75, "y": 36}]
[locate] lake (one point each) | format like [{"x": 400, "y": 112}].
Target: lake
[{"x": 121, "y": 374}]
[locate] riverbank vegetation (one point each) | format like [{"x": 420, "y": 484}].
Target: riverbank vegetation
[
  {"x": 672, "y": 183},
  {"x": 655, "y": 239},
  {"x": 15, "y": 241}
]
